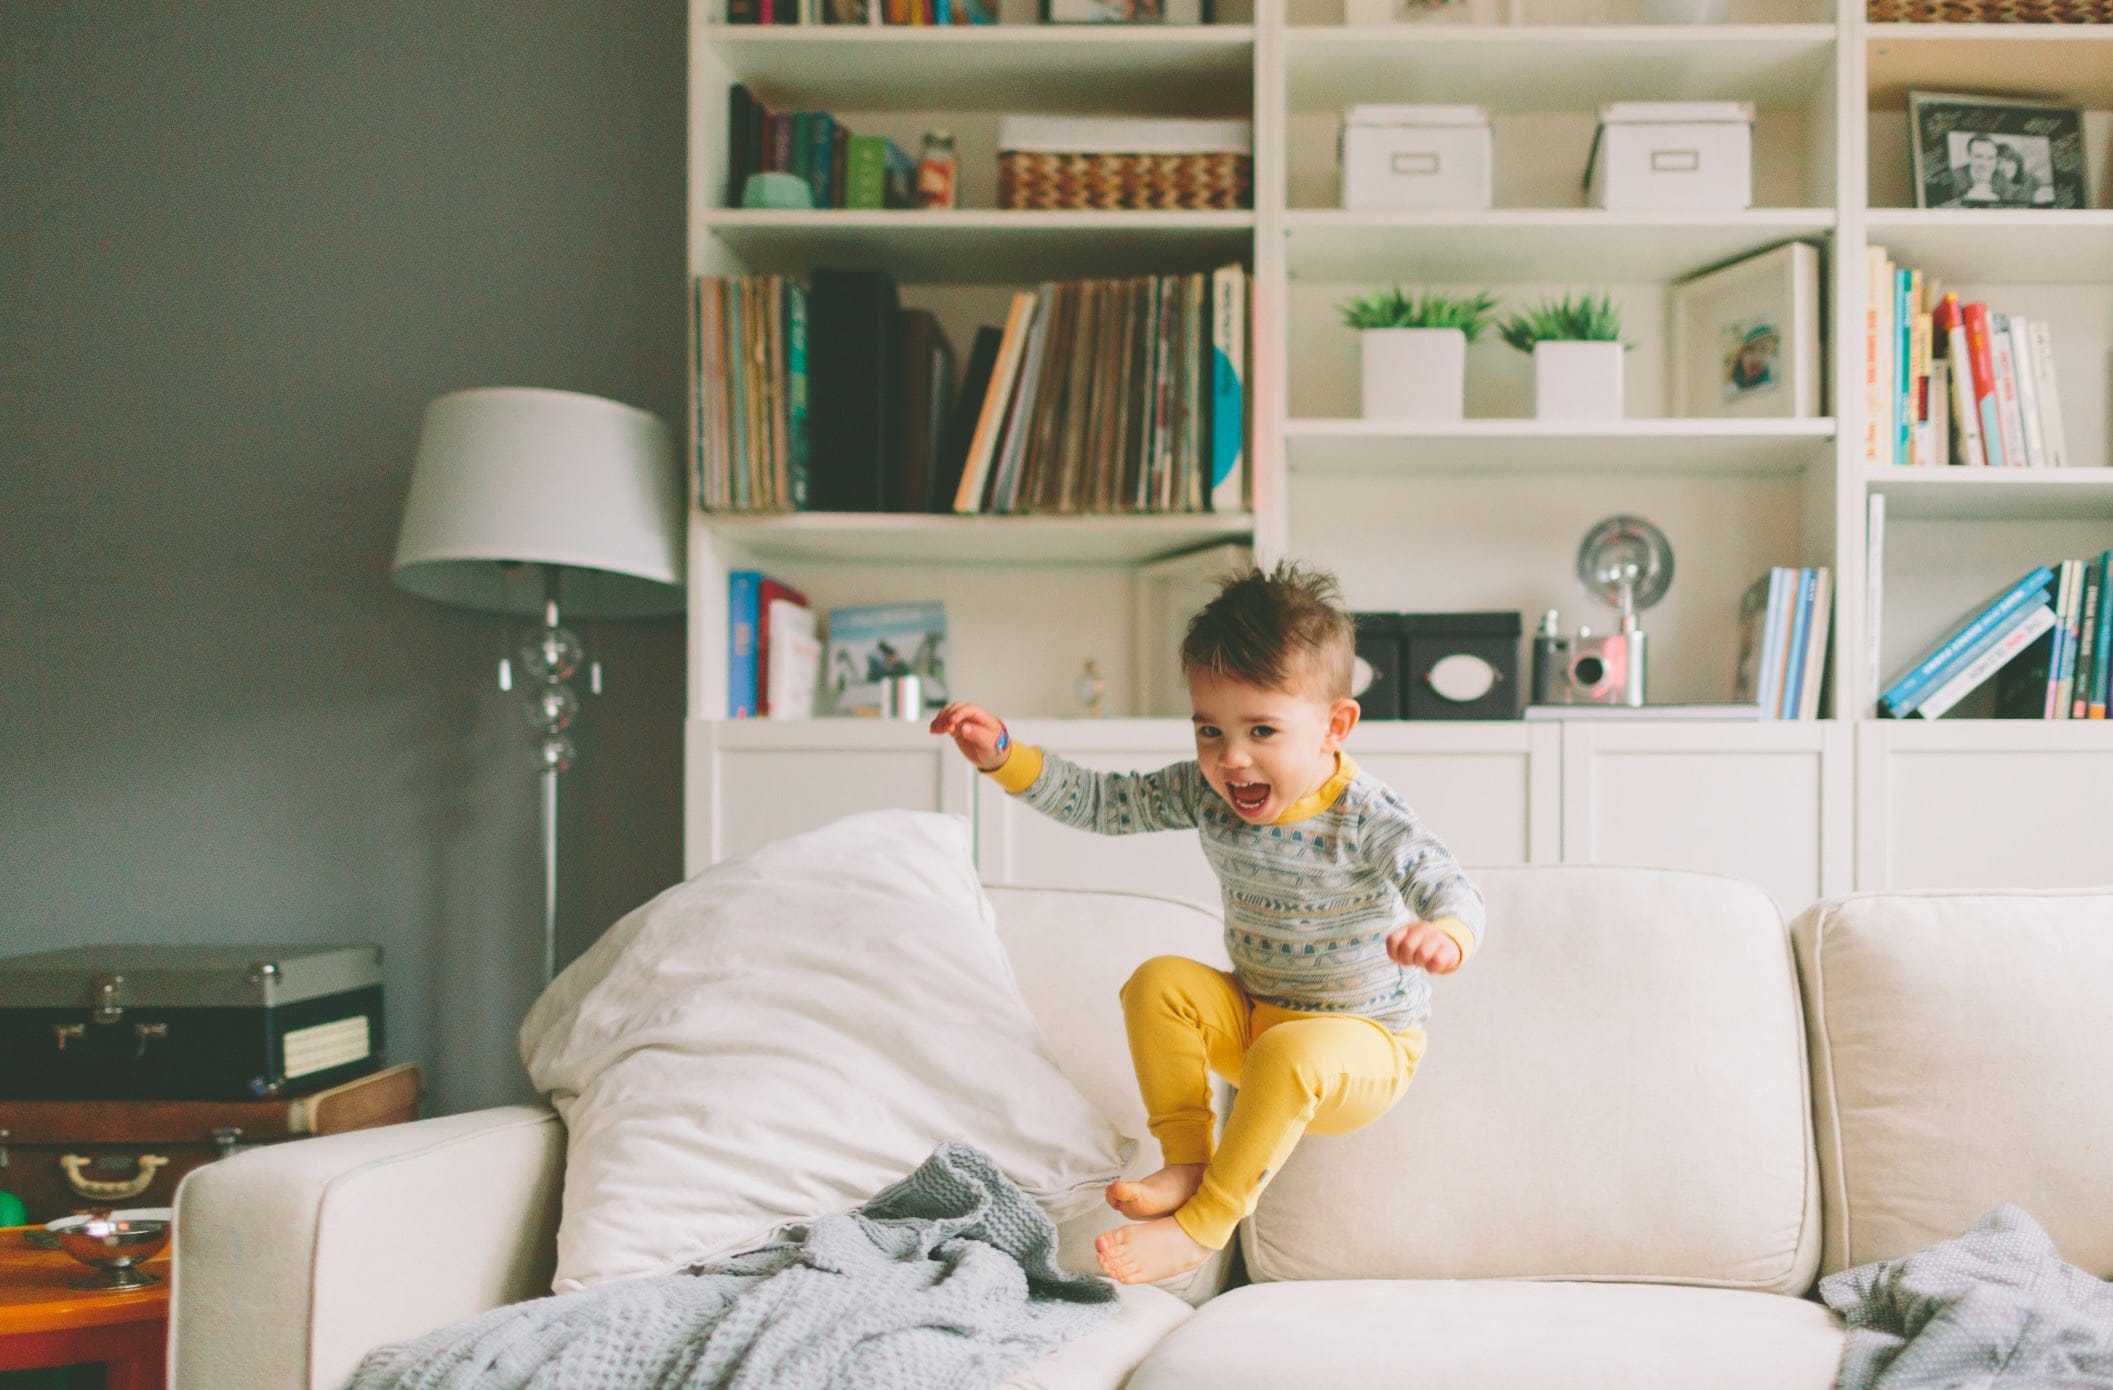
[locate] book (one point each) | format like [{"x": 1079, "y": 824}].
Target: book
[
  {"x": 2087, "y": 655},
  {"x": 1874, "y": 585},
  {"x": 1228, "y": 409},
  {"x": 1012, "y": 443},
  {"x": 868, "y": 645},
  {"x": 792, "y": 661},
  {"x": 2050, "y": 398},
  {"x": 2008, "y": 417},
  {"x": 744, "y": 590},
  {"x": 990, "y": 422},
  {"x": 1758, "y": 668},
  {"x": 1794, "y": 654},
  {"x": 2062, "y": 678},
  {"x": 797, "y": 383},
  {"x": 772, "y": 598},
  {"x": 1981, "y": 363},
  {"x": 1819, "y": 619},
  {"x": 866, "y": 171},
  {"x": 2016, "y": 635},
  {"x": 961, "y": 425},
  {"x": 2028, "y": 392},
  {"x": 1923, "y": 676},
  {"x": 2102, "y": 679},
  {"x": 1967, "y": 449},
  {"x": 928, "y": 398},
  {"x": 1878, "y": 391},
  {"x": 855, "y": 396}
]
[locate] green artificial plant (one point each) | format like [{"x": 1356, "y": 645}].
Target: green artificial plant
[
  {"x": 1392, "y": 309},
  {"x": 1586, "y": 318}
]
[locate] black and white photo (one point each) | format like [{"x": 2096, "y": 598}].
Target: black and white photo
[{"x": 1995, "y": 152}]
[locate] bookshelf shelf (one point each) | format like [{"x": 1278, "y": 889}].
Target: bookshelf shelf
[
  {"x": 888, "y": 538},
  {"x": 1541, "y": 244},
  {"x": 1537, "y": 448},
  {"x": 1996, "y": 494},
  {"x": 983, "y": 247},
  {"x": 1998, "y": 246},
  {"x": 1177, "y": 69},
  {"x": 2070, "y": 63},
  {"x": 1541, "y": 68}
]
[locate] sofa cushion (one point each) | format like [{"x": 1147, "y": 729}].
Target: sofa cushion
[
  {"x": 1498, "y": 1335},
  {"x": 1615, "y": 1089},
  {"x": 1103, "y": 1358},
  {"x": 788, "y": 1033},
  {"x": 1072, "y": 949},
  {"x": 1959, "y": 1059}
]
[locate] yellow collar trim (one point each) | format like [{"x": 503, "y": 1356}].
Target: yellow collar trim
[{"x": 1323, "y": 796}]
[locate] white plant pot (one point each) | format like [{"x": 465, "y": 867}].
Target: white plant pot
[
  {"x": 1577, "y": 381},
  {"x": 1414, "y": 373}
]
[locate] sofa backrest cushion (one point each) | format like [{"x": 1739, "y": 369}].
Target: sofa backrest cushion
[
  {"x": 1962, "y": 1057},
  {"x": 1615, "y": 1089}
]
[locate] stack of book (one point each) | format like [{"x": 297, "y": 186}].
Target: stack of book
[
  {"x": 1112, "y": 396},
  {"x": 748, "y": 392},
  {"x": 904, "y": 12},
  {"x": 1784, "y": 619},
  {"x": 773, "y": 657},
  {"x": 1947, "y": 382},
  {"x": 842, "y": 170},
  {"x": 2046, "y": 640}
]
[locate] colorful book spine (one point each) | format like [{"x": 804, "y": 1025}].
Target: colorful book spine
[
  {"x": 1920, "y": 438},
  {"x": 1794, "y": 661},
  {"x": 2087, "y": 657},
  {"x": 1228, "y": 427},
  {"x": 2014, "y": 638},
  {"x": 1903, "y": 362},
  {"x": 2050, "y": 398},
  {"x": 2066, "y": 633},
  {"x": 821, "y": 134},
  {"x": 744, "y": 591},
  {"x": 1982, "y": 364},
  {"x": 1898, "y": 700},
  {"x": 2102, "y": 679},
  {"x": 796, "y": 392},
  {"x": 1966, "y": 431},
  {"x": 2008, "y": 415},
  {"x": 1877, "y": 391},
  {"x": 866, "y": 171}
]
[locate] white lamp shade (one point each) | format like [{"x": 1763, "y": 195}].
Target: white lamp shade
[{"x": 511, "y": 476}]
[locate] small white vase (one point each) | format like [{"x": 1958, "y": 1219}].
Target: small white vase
[
  {"x": 1414, "y": 373},
  {"x": 1577, "y": 381}
]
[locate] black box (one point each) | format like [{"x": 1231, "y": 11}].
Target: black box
[
  {"x": 188, "y": 1022},
  {"x": 1404, "y": 649}
]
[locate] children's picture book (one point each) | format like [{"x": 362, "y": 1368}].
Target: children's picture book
[{"x": 869, "y": 645}]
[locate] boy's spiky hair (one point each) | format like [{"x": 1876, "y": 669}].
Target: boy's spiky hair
[{"x": 1281, "y": 629}]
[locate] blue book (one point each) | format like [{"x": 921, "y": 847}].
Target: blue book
[
  {"x": 2102, "y": 678},
  {"x": 744, "y": 593},
  {"x": 821, "y": 137},
  {"x": 1939, "y": 666},
  {"x": 1794, "y": 659},
  {"x": 1904, "y": 360}
]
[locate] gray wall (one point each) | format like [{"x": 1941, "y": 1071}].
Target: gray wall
[{"x": 243, "y": 245}]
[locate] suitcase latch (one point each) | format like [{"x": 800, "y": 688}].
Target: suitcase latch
[
  {"x": 68, "y": 1032},
  {"x": 108, "y": 991}
]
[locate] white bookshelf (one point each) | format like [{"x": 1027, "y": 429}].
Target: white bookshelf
[{"x": 1370, "y": 500}]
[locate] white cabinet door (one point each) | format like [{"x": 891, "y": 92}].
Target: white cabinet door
[
  {"x": 1983, "y": 804},
  {"x": 1490, "y": 791},
  {"x": 1766, "y": 802},
  {"x": 749, "y": 783}
]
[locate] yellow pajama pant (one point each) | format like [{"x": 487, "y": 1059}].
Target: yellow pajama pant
[{"x": 1327, "y": 1073}]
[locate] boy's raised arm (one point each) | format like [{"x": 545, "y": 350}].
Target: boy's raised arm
[{"x": 1107, "y": 803}]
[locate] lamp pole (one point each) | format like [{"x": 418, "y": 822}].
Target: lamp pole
[{"x": 551, "y": 657}]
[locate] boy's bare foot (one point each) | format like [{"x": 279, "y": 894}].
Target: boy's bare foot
[
  {"x": 1163, "y": 1192},
  {"x": 1148, "y": 1252}
]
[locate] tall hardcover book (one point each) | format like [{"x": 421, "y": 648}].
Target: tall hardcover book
[
  {"x": 2008, "y": 416},
  {"x": 854, "y": 376},
  {"x": 961, "y": 425},
  {"x": 927, "y": 392},
  {"x": 1898, "y": 700},
  {"x": 2028, "y": 392},
  {"x": 744, "y": 593},
  {"x": 2102, "y": 679},
  {"x": 997, "y": 402},
  {"x": 1228, "y": 427},
  {"x": 2087, "y": 655},
  {"x": 771, "y": 599},
  {"x": 1982, "y": 364}
]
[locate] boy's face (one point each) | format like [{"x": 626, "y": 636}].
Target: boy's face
[{"x": 1261, "y": 750}]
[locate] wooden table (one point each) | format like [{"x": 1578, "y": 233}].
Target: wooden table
[{"x": 46, "y": 1321}]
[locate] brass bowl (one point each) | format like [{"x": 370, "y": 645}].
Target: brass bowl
[{"x": 115, "y": 1244}]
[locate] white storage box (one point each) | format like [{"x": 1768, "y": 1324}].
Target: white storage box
[
  {"x": 1687, "y": 156},
  {"x": 1429, "y": 157}
]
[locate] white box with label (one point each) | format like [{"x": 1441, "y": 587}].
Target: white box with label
[
  {"x": 1425, "y": 157},
  {"x": 1689, "y": 156}
]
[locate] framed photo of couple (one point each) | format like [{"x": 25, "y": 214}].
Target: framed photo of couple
[{"x": 1995, "y": 152}]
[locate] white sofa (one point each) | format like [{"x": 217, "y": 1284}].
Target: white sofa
[{"x": 1630, "y": 1153}]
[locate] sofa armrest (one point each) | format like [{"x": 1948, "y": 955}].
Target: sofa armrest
[{"x": 293, "y": 1261}]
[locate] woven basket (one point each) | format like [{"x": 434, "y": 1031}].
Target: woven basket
[
  {"x": 1049, "y": 181},
  {"x": 1990, "y": 11}
]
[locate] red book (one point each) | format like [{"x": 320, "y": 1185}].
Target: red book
[
  {"x": 1981, "y": 358},
  {"x": 770, "y": 589}
]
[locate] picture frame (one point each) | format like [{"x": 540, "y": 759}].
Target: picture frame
[
  {"x": 867, "y": 645},
  {"x": 1746, "y": 338},
  {"x": 1995, "y": 152},
  {"x": 1126, "y": 11}
]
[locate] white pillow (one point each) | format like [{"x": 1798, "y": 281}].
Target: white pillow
[{"x": 788, "y": 1033}]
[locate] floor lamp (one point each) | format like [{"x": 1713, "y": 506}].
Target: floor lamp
[{"x": 545, "y": 504}]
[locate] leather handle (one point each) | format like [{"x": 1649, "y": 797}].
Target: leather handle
[{"x": 97, "y": 1191}]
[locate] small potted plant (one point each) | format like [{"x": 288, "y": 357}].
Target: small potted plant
[
  {"x": 1576, "y": 347},
  {"x": 1415, "y": 351}
]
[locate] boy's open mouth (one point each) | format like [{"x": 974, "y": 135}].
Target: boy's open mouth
[{"x": 1248, "y": 798}]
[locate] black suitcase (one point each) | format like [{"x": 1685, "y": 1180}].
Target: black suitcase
[{"x": 188, "y": 1022}]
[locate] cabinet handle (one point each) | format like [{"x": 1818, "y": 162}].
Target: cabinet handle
[{"x": 110, "y": 1191}]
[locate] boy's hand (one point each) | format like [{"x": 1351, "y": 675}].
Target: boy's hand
[
  {"x": 1421, "y": 944},
  {"x": 979, "y": 734}
]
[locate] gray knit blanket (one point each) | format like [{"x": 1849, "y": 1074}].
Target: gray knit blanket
[
  {"x": 1994, "y": 1309},
  {"x": 945, "y": 1281}
]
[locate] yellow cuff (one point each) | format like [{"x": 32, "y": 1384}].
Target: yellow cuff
[
  {"x": 1457, "y": 929},
  {"x": 1019, "y": 770}
]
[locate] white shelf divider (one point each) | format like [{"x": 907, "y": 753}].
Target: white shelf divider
[
  {"x": 900, "y": 538},
  {"x": 2008, "y": 494},
  {"x": 1551, "y": 448},
  {"x": 1541, "y": 244},
  {"x": 1998, "y": 246},
  {"x": 983, "y": 247}
]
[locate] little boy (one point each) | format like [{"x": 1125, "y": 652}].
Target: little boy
[{"x": 1338, "y": 906}]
